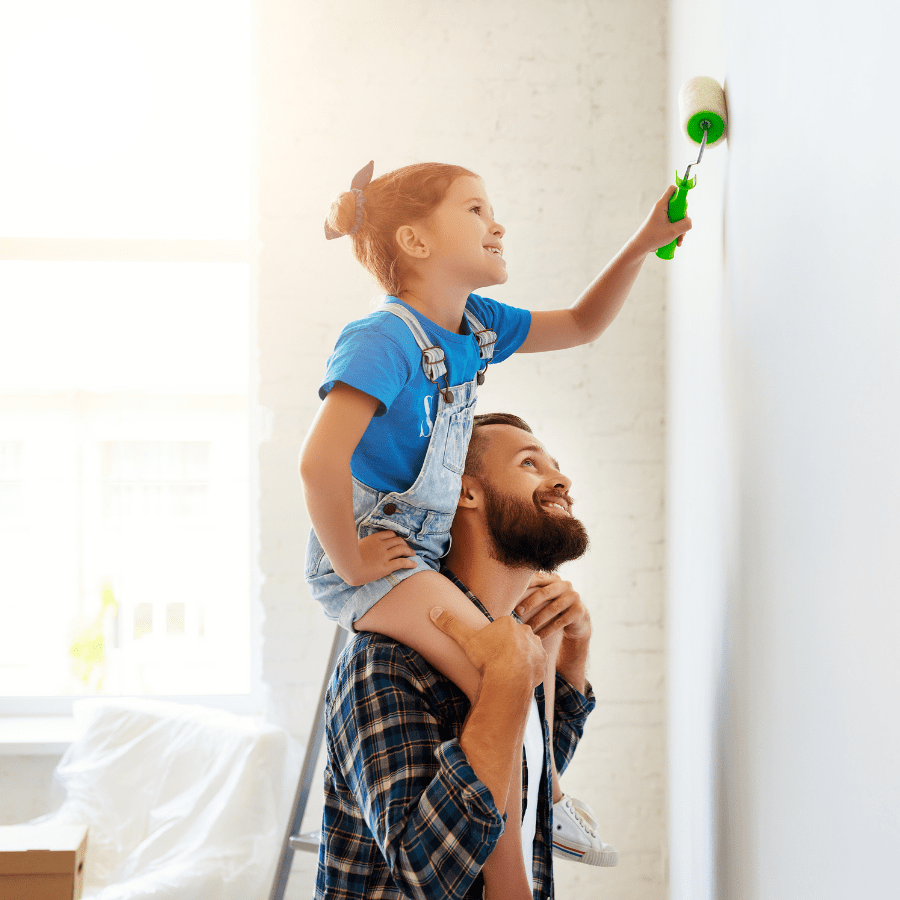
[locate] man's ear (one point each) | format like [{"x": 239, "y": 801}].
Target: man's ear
[
  {"x": 470, "y": 493},
  {"x": 410, "y": 242}
]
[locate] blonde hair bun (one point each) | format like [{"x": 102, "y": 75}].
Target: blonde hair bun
[{"x": 342, "y": 215}]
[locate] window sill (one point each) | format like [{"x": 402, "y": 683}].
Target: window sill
[{"x": 36, "y": 735}]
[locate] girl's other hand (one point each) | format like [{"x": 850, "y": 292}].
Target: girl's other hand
[
  {"x": 657, "y": 230},
  {"x": 379, "y": 554}
]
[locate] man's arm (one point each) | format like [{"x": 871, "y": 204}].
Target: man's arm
[
  {"x": 551, "y": 604},
  {"x": 571, "y": 661},
  {"x": 511, "y": 661},
  {"x": 430, "y": 805},
  {"x": 548, "y": 606}
]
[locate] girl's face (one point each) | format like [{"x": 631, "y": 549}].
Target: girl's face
[{"x": 462, "y": 237}]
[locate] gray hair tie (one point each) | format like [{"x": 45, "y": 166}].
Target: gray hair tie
[{"x": 360, "y": 181}]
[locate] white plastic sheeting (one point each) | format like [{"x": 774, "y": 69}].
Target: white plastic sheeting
[{"x": 181, "y": 801}]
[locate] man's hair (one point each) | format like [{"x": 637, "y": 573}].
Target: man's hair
[{"x": 477, "y": 442}]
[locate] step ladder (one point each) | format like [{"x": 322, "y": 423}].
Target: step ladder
[{"x": 310, "y": 840}]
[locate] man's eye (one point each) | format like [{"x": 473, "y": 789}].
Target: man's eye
[{"x": 528, "y": 462}]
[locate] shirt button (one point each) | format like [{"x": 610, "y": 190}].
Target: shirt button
[{"x": 389, "y": 509}]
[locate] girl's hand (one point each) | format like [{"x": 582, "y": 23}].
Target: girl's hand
[
  {"x": 657, "y": 230},
  {"x": 379, "y": 554},
  {"x": 551, "y": 604}
]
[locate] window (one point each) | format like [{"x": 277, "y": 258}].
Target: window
[{"x": 126, "y": 258}]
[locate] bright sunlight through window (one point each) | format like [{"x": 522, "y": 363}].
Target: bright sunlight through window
[{"x": 125, "y": 282}]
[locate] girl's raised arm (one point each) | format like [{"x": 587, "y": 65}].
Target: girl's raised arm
[
  {"x": 599, "y": 304},
  {"x": 327, "y": 485}
]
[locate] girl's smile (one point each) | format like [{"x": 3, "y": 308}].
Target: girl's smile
[{"x": 466, "y": 241}]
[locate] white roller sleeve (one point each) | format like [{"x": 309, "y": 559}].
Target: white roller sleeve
[{"x": 702, "y": 94}]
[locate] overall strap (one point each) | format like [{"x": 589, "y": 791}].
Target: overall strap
[
  {"x": 486, "y": 340},
  {"x": 486, "y": 337},
  {"x": 433, "y": 364}
]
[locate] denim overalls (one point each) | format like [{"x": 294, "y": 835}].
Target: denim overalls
[{"x": 422, "y": 515}]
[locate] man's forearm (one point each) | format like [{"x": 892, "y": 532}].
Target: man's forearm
[
  {"x": 571, "y": 663},
  {"x": 494, "y": 731}
]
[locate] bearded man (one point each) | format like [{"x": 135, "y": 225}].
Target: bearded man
[{"x": 416, "y": 779}]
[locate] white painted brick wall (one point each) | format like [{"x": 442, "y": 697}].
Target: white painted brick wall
[{"x": 560, "y": 107}]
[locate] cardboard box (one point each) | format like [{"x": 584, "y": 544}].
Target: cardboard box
[{"x": 42, "y": 862}]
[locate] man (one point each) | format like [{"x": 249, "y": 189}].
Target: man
[{"x": 416, "y": 781}]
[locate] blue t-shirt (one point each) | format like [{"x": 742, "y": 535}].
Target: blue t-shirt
[{"x": 379, "y": 355}]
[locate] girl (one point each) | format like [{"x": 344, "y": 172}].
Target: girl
[{"x": 382, "y": 462}]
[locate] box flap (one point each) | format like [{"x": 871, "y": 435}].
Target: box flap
[{"x": 44, "y": 849}]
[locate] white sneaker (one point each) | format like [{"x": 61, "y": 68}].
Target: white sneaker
[{"x": 575, "y": 834}]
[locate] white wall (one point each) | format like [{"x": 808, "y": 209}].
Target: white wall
[
  {"x": 560, "y": 107},
  {"x": 784, "y": 437}
]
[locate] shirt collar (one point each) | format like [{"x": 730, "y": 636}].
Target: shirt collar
[{"x": 447, "y": 573}]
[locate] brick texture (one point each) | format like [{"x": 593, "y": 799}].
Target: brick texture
[{"x": 560, "y": 107}]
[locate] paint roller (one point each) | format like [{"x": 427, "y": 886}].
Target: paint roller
[{"x": 701, "y": 106}]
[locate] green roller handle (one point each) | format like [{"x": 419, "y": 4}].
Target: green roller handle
[{"x": 677, "y": 211}]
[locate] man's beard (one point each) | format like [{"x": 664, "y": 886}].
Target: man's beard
[{"x": 525, "y": 536}]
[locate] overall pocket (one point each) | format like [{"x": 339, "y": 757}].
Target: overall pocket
[{"x": 457, "y": 445}]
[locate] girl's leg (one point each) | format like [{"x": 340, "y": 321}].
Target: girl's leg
[{"x": 402, "y": 614}]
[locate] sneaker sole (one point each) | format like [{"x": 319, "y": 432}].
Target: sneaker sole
[{"x": 589, "y": 857}]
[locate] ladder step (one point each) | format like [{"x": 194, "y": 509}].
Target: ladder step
[{"x": 308, "y": 840}]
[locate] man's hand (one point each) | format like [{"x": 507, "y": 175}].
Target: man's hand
[
  {"x": 505, "y": 648},
  {"x": 551, "y": 604},
  {"x": 512, "y": 662}
]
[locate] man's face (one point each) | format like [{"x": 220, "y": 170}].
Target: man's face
[{"x": 527, "y": 503}]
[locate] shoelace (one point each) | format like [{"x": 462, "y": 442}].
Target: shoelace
[{"x": 580, "y": 818}]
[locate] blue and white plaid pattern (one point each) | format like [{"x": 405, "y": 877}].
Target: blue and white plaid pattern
[{"x": 405, "y": 816}]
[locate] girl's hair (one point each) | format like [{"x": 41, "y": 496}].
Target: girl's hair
[{"x": 398, "y": 198}]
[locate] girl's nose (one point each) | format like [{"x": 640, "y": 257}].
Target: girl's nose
[{"x": 498, "y": 229}]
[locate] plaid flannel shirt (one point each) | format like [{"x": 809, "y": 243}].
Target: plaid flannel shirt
[{"x": 405, "y": 815}]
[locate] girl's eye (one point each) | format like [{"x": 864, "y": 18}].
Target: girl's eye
[{"x": 476, "y": 209}]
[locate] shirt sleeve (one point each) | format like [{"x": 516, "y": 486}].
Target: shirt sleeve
[
  {"x": 571, "y": 712},
  {"x": 511, "y": 324},
  {"x": 368, "y": 357},
  {"x": 434, "y": 821}
]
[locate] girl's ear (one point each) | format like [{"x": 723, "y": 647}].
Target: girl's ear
[
  {"x": 411, "y": 243},
  {"x": 470, "y": 493}
]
